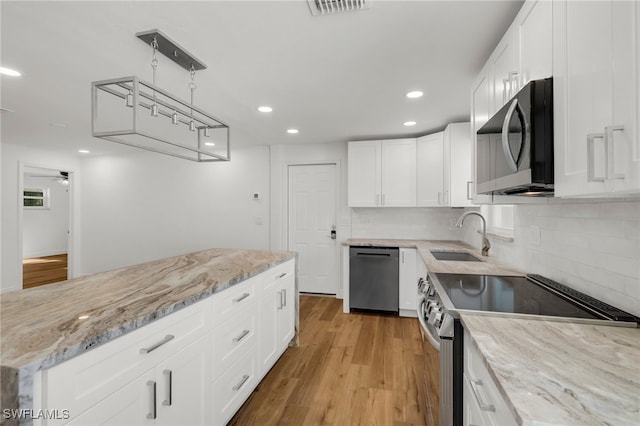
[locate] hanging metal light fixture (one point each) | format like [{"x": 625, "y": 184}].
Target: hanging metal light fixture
[{"x": 171, "y": 125}]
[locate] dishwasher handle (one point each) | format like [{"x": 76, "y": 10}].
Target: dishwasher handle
[{"x": 374, "y": 254}]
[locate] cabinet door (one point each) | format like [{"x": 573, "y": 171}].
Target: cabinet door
[
  {"x": 408, "y": 297},
  {"x": 430, "y": 170},
  {"x": 625, "y": 142},
  {"x": 398, "y": 173},
  {"x": 503, "y": 73},
  {"x": 534, "y": 28},
  {"x": 457, "y": 143},
  {"x": 184, "y": 391},
  {"x": 129, "y": 405},
  {"x": 480, "y": 110},
  {"x": 364, "y": 173},
  {"x": 286, "y": 314}
]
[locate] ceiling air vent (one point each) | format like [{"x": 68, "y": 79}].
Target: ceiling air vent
[{"x": 327, "y": 7}]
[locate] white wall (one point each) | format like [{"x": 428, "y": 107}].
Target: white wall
[
  {"x": 44, "y": 231},
  {"x": 13, "y": 156},
  {"x": 148, "y": 206},
  {"x": 592, "y": 246}
]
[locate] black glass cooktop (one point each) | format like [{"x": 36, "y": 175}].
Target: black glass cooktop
[{"x": 516, "y": 295}]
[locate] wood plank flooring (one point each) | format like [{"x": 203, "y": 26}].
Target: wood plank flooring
[
  {"x": 44, "y": 270},
  {"x": 350, "y": 369}
]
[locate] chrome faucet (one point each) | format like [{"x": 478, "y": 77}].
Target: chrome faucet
[{"x": 486, "y": 245}]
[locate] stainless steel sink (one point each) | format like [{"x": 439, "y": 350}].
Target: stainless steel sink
[{"x": 459, "y": 256}]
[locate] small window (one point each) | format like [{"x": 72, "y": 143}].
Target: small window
[
  {"x": 499, "y": 219},
  {"x": 36, "y": 198}
]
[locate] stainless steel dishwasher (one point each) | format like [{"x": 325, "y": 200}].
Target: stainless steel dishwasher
[{"x": 373, "y": 278}]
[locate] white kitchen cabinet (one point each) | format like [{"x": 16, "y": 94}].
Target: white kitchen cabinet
[
  {"x": 443, "y": 163},
  {"x": 430, "y": 170},
  {"x": 195, "y": 366},
  {"x": 408, "y": 281},
  {"x": 457, "y": 165},
  {"x": 504, "y": 72},
  {"x": 382, "y": 173},
  {"x": 480, "y": 110},
  {"x": 364, "y": 168},
  {"x": 533, "y": 27},
  {"x": 482, "y": 401},
  {"x": 596, "y": 83},
  {"x": 277, "y": 314}
]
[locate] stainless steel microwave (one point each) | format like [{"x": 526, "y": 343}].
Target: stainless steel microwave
[{"x": 515, "y": 147}]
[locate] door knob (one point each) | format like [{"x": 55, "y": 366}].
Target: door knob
[{"x": 333, "y": 232}]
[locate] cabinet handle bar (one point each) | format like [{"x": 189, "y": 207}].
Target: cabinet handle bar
[
  {"x": 483, "y": 406},
  {"x": 242, "y": 382},
  {"x": 151, "y": 385},
  {"x": 151, "y": 348},
  {"x": 241, "y": 298},
  {"x": 241, "y": 336},
  {"x": 168, "y": 383}
]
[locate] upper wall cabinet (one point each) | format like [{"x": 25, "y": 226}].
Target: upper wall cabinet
[
  {"x": 444, "y": 167},
  {"x": 382, "y": 173},
  {"x": 596, "y": 82}
]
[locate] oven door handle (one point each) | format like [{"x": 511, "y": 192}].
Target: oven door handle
[{"x": 434, "y": 342}]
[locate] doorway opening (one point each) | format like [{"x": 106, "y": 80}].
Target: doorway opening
[{"x": 45, "y": 205}]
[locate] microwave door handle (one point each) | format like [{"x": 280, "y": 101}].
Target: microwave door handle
[
  {"x": 506, "y": 149},
  {"x": 526, "y": 136}
]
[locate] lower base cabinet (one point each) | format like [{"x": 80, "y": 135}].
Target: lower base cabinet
[{"x": 194, "y": 367}]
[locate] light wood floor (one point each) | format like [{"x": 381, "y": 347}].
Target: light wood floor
[
  {"x": 350, "y": 369},
  {"x": 44, "y": 270}
]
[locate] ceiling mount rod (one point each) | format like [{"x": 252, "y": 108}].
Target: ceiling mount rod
[{"x": 171, "y": 49}]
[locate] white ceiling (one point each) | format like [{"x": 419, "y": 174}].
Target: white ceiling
[{"x": 335, "y": 78}]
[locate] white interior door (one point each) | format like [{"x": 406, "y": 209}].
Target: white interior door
[{"x": 312, "y": 217}]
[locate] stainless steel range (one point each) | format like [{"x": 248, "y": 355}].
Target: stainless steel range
[{"x": 445, "y": 296}]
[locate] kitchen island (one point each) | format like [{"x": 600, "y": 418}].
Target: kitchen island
[{"x": 44, "y": 327}]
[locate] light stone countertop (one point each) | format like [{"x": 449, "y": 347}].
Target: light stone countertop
[
  {"x": 40, "y": 327},
  {"x": 488, "y": 265},
  {"x": 561, "y": 373}
]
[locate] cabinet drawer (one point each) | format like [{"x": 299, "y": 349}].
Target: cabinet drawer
[
  {"x": 233, "y": 338},
  {"x": 234, "y": 299},
  {"x": 82, "y": 381},
  {"x": 234, "y": 386},
  {"x": 276, "y": 275}
]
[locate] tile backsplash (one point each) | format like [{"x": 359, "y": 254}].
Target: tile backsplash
[
  {"x": 592, "y": 246},
  {"x": 406, "y": 223}
]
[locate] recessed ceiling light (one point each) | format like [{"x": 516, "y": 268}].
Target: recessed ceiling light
[
  {"x": 265, "y": 109},
  {"x": 409, "y": 123},
  {"x": 210, "y": 143},
  {"x": 414, "y": 94},
  {"x": 8, "y": 71},
  {"x": 83, "y": 151},
  {"x": 292, "y": 131}
]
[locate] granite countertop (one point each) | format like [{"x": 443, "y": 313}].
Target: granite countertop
[
  {"x": 41, "y": 327},
  {"x": 561, "y": 373},
  {"x": 488, "y": 265}
]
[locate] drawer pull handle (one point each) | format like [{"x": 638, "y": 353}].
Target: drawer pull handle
[
  {"x": 167, "y": 387},
  {"x": 483, "y": 406},
  {"x": 241, "y": 336},
  {"x": 242, "y": 382},
  {"x": 241, "y": 298},
  {"x": 167, "y": 338},
  {"x": 282, "y": 275},
  {"x": 151, "y": 385}
]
